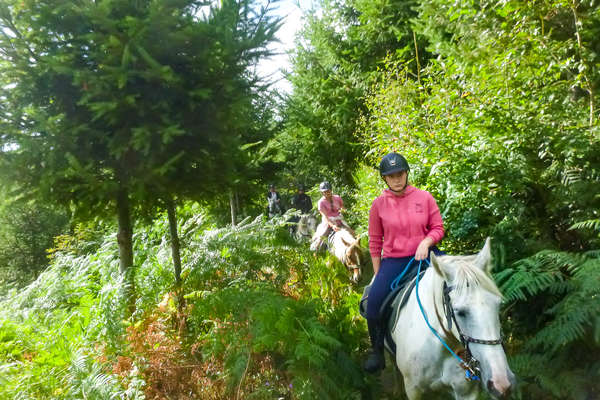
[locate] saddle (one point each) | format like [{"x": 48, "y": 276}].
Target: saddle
[{"x": 392, "y": 304}]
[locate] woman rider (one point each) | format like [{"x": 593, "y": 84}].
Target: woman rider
[
  {"x": 329, "y": 206},
  {"x": 404, "y": 222}
]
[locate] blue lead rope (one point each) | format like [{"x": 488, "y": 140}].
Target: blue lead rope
[
  {"x": 397, "y": 280},
  {"x": 468, "y": 374}
]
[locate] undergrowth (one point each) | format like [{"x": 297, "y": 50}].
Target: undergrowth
[{"x": 261, "y": 319}]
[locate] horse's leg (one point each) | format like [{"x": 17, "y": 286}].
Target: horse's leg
[
  {"x": 413, "y": 392},
  {"x": 398, "y": 380},
  {"x": 454, "y": 376}
]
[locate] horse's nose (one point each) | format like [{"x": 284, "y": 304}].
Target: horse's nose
[{"x": 500, "y": 389}]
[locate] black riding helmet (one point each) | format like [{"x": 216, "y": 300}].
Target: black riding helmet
[
  {"x": 391, "y": 163},
  {"x": 325, "y": 185}
]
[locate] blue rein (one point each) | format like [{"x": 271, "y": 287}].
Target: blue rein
[{"x": 468, "y": 373}]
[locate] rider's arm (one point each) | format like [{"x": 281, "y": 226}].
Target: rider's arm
[
  {"x": 375, "y": 235},
  {"x": 376, "y": 264},
  {"x": 331, "y": 224},
  {"x": 435, "y": 233}
]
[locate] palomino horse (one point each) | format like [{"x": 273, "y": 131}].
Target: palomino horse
[
  {"x": 306, "y": 226},
  {"x": 346, "y": 248},
  {"x": 454, "y": 303}
]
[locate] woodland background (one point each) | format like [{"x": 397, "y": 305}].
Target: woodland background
[{"x": 137, "y": 142}]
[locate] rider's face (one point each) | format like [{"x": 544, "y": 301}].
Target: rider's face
[
  {"x": 397, "y": 180},
  {"x": 327, "y": 193}
]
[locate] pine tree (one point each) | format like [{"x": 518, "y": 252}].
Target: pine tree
[{"x": 112, "y": 106}]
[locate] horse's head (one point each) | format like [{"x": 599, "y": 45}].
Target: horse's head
[
  {"x": 311, "y": 222},
  {"x": 475, "y": 300},
  {"x": 307, "y": 225},
  {"x": 353, "y": 259},
  {"x": 353, "y": 254}
]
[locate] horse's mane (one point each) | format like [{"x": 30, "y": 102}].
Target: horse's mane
[{"x": 469, "y": 277}]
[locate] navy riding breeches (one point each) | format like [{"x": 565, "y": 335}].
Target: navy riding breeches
[{"x": 389, "y": 269}]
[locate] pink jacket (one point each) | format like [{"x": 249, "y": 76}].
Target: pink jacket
[
  {"x": 397, "y": 224},
  {"x": 324, "y": 206}
]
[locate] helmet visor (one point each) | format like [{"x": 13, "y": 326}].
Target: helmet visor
[{"x": 393, "y": 171}]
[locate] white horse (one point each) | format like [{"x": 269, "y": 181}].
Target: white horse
[
  {"x": 460, "y": 301},
  {"x": 274, "y": 208},
  {"x": 306, "y": 226}
]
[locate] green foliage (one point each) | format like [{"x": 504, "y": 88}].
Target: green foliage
[
  {"x": 369, "y": 185},
  {"x": 27, "y": 232},
  {"x": 338, "y": 54},
  {"x": 87, "y": 380},
  {"x": 119, "y": 107},
  {"x": 490, "y": 127},
  {"x": 72, "y": 306},
  {"x": 273, "y": 319},
  {"x": 554, "y": 306},
  {"x": 260, "y": 294}
]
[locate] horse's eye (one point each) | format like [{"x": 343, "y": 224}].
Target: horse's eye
[{"x": 462, "y": 313}]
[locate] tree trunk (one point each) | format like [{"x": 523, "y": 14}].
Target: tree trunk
[
  {"x": 124, "y": 239},
  {"x": 232, "y": 207},
  {"x": 176, "y": 255},
  {"x": 175, "y": 247}
]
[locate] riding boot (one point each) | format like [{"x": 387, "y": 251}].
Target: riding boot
[{"x": 376, "y": 359}]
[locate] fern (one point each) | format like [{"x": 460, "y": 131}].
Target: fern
[
  {"x": 560, "y": 298},
  {"x": 87, "y": 380},
  {"x": 593, "y": 224}
]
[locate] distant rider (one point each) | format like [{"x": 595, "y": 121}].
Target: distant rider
[
  {"x": 273, "y": 201},
  {"x": 330, "y": 207},
  {"x": 301, "y": 201}
]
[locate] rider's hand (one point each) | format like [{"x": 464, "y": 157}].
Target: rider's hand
[
  {"x": 336, "y": 228},
  {"x": 423, "y": 249}
]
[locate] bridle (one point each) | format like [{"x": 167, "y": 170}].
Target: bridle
[
  {"x": 450, "y": 316},
  {"x": 469, "y": 363}
]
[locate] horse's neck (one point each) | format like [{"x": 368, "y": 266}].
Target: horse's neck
[{"x": 432, "y": 299}]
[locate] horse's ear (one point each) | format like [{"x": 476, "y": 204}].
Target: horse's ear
[
  {"x": 437, "y": 266},
  {"x": 484, "y": 257}
]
